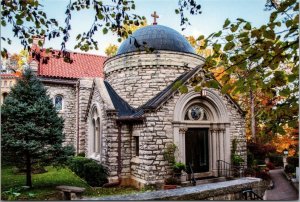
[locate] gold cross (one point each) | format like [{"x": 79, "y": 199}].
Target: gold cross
[{"x": 154, "y": 16}]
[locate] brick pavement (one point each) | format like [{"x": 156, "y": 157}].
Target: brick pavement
[{"x": 283, "y": 189}]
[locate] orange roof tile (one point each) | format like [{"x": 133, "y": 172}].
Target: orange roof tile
[{"x": 82, "y": 65}]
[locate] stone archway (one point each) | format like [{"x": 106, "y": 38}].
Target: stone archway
[{"x": 216, "y": 123}]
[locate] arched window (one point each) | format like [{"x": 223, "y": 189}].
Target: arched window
[
  {"x": 4, "y": 95},
  {"x": 196, "y": 113},
  {"x": 96, "y": 132},
  {"x": 58, "y": 102}
]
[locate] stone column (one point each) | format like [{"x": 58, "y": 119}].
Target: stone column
[
  {"x": 182, "y": 132},
  {"x": 214, "y": 150},
  {"x": 181, "y": 148},
  {"x": 210, "y": 151}
]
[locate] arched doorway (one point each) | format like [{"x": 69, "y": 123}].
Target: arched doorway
[{"x": 201, "y": 131}]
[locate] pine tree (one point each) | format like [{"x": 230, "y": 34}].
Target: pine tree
[{"x": 31, "y": 128}]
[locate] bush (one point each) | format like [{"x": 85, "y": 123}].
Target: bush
[
  {"x": 237, "y": 160},
  {"x": 263, "y": 175},
  {"x": 290, "y": 169},
  {"x": 293, "y": 161},
  {"x": 178, "y": 167},
  {"x": 270, "y": 165},
  {"x": 171, "y": 181},
  {"x": 276, "y": 160},
  {"x": 260, "y": 151},
  {"x": 94, "y": 174},
  {"x": 249, "y": 172}
]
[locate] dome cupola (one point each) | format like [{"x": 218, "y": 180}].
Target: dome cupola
[{"x": 157, "y": 37}]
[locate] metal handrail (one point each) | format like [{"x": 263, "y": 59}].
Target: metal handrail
[
  {"x": 226, "y": 169},
  {"x": 251, "y": 195},
  {"x": 192, "y": 180}
]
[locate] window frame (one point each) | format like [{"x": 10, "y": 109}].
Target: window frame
[{"x": 62, "y": 102}]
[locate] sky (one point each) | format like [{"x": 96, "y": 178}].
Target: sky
[{"x": 214, "y": 13}]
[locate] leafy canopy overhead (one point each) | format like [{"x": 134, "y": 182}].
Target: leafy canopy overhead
[
  {"x": 261, "y": 61},
  {"x": 28, "y": 20}
]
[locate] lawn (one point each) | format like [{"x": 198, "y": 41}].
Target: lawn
[{"x": 44, "y": 185}]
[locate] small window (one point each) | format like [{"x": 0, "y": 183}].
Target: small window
[
  {"x": 10, "y": 84},
  {"x": 137, "y": 145},
  {"x": 5, "y": 83},
  {"x": 58, "y": 102},
  {"x": 195, "y": 113}
]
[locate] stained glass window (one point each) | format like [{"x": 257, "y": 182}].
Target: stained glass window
[
  {"x": 58, "y": 102},
  {"x": 195, "y": 113}
]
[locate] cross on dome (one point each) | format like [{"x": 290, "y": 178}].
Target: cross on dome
[{"x": 154, "y": 16}]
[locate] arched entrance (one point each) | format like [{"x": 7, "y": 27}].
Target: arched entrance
[{"x": 201, "y": 131}]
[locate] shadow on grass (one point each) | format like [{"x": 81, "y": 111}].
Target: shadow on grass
[{"x": 44, "y": 185}]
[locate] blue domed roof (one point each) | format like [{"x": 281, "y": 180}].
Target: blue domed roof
[{"x": 157, "y": 37}]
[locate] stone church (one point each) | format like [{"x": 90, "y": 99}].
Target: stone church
[{"x": 125, "y": 110}]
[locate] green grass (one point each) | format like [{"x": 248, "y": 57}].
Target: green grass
[{"x": 44, "y": 185}]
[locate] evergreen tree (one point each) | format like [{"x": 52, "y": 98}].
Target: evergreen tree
[{"x": 31, "y": 128}]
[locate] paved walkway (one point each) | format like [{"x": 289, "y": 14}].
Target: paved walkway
[{"x": 283, "y": 189}]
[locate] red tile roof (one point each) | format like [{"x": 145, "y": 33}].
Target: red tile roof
[{"x": 82, "y": 65}]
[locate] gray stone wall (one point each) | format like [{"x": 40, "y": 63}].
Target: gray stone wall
[
  {"x": 229, "y": 190},
  {"x": 135, "y": 74},
  {"x": 68, "y": 113},
  {"x": 84, "y": 90},
  {"x": 157, "y": 132}
]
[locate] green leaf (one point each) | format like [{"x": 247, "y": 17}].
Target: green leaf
[
  {"x": 78, "y": 37},
  {"x": 183, "y": 89},
  {"x": 19, "y": 21},
  {"x": 176, "y": 11},
  {"x": 218, "y": 34},
  {"x": 100, "y": 16},
  {"x": 234, "y": 28},
  {"x": 229, "y": 37},
  {"x": 247, "y": 26},
  {"x": 200, "y": 37},
  {"x": 226, "y": 23},
  {"x": 104, "y": 30},
  {"x": 3, "y": 23},
  {"x": 216, "y": 47},
  {"x": 269, "y": 34},
  {"x": 226, "y": 88},
  {"x": 285, "y": 92},
  {"x": 212, "y": 84},
  {"x": 198, "y": 88},
  {"x": 273, "y": 16},
  {"x": 289, "y": 23},
  {"x": 230, "y": 45}
]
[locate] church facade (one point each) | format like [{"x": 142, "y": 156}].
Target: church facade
[{"x": 124, "y": 111}]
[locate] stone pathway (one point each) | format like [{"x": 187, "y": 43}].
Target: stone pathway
[{"x": 283, "y": 189}]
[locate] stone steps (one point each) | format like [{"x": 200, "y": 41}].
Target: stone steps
[{"x": 205, "y": 181}]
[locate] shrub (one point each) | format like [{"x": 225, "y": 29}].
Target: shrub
[
  {"x": 237, "y": 160},
  {"x": 270, "y": 165},
  {"x": 249, "y": 172},
  {"x": 171, "y": 181},
  {"x": 82, "y": 154},
  {"x": 276, "y": 160},
  {"x": 293, "y": 161},
  {"x": 289, "y": 168},
  {"x": 260, "y": 151},
  {"x": 263, "y": 175},
  {"x": 178, "y": 167},
  {"x": 95, "y": 174}
]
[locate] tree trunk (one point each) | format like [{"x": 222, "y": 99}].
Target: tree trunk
[
  {"x": 252, "y": 116},
  {"x": 28, "y": 170}
]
